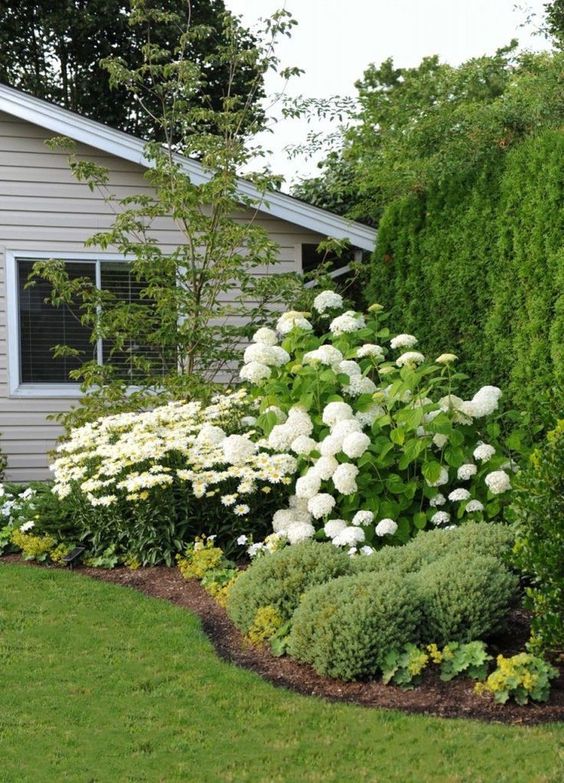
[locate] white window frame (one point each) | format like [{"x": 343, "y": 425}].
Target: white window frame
[{"x": 38, "y": 390}]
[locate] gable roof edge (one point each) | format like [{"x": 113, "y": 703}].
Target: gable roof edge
[{"x": 123, "y": 145}]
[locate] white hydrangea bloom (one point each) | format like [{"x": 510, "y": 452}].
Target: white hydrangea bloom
[
  {"x": 266, "y": 336},
  {"x": 303, "y": 445},
  {"x": 410, "y": 357},
  {"x": 325, "y": 467},
  {"x": 474, "y": 505},
  {"x": 346, "y": 323},
  {"x": 327, "y": 300},
  {"x": 370, "y": 349},
  {"x": 238, "y": 448},
  {"x": 321, "y": 505},
  {"x": 438, "y": 500},
  {"x": 254, "y": 549},
  {"x": 359, "y": 384},
  {"x": 280, "y": 356},
  {"x": 368, "y": 417},
  {"x": 443, "y": 479},
  {"x": 336, "y": 411},
  {"x": 367, "y": 550},
  {"x": 330, "y": 446},
  {"x": 483, "y": 452},
  {"x": 344, "y": 479},
  {"x": 440, "y": 440},
  {"x": 345, "y": 427},
  {"x": 210, "y": 434},
  {"x": 333, "y": 527},
  {"x": 349, "y": 536},
  {"x": 386, "y": 527},
  {"x": 281, "y": 437},
  {"x": 300, "y": 421},
  {"x": 255, "y": 372},
  {"x": 292, "y": 320},
  {"x": 363, "y": 518},
  {"x": 456, "y": 407},
  {"x": 446, "y": 358},
  {"x": 325, "y": 354},
  {"x": 459, "y": 494},
  {"x": 498, "y": 482},
  {"x": 403, "y": 341},
  {"x": 248, "y": 421},
  {"x": 483, "y": 403},
  {"x": 307, "y": 486},
  {"x": 297, "y": 532},
  {"x": 349, "y": 367},
  {"x": 355, "y": 444},
  {"x": 261, "y": 353},
  {"x": 298, "y": 503},
  {"x": 465, "y": 472},
  {"x": 440, "y": 518}
]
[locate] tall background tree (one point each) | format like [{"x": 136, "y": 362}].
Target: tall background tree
[{"x": 53, "y": 49}]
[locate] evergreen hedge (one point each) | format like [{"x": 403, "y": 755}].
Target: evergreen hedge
[{"x": 476, "y": 264}]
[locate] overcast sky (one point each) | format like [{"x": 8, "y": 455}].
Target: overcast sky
[{"x": 337, "y": 39}]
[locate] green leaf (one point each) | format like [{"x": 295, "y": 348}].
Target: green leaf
[
  {"x": 432, "y": 471},
  {"x": 397, "y": 436},
  {"x": 420, "y": 520}
]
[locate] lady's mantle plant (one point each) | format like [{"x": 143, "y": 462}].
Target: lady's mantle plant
[{"x": 384, "y": 447}]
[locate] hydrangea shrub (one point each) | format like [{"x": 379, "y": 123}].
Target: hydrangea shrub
[{"x": 384, "y": 447}]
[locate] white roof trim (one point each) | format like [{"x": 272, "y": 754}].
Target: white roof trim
[{"x": 114, "y": 142}]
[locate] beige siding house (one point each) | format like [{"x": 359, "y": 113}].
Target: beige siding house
[{"x": 45, "y": 213}]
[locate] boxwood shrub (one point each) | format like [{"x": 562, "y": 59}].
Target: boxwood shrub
[
  {"x": 280, "y": 579},
  {"x": 344, "y": 628},
  {"x": 428, "y": 547},
  {"x": 465, "y": 596}
]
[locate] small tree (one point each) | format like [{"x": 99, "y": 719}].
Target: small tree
[{"x": 195, "y": 304}]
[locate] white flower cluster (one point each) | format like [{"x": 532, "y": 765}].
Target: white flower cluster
[
  {"x": 346, "y": 323},
  {"x": 327, "y": 300},
  {"x": 132, "y": 454},
  {"x": 292, "y": 320}
]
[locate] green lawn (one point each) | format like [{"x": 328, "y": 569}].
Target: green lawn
[{"x": 99, "y": 683}]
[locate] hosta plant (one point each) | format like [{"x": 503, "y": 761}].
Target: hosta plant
[{"x": 383, "y": 444}]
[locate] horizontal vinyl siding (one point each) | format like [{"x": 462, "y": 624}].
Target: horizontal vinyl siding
[{"x": 43, "y": 209}]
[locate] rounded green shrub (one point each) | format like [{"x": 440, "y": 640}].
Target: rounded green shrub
[
  {"x": 280, "y": 579},
  {"x": 344, "y": 628},
  {"x": 465, "y": 596},
  {"x": 481, "y": 538}
]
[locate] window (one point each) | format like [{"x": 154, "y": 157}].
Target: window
[{"x": 36, "y": 327}]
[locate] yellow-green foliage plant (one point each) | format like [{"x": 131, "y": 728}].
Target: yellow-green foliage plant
[
  {"x": 266, "y": 623},
  {"x": 200, "y": 557},
  {"x": 524, "y": 677},
  {"x": 33, "y": 547}
]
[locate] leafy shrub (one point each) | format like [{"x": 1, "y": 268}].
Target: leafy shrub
[
  {"x": 482, "y": 250},
  {"x": 429, "y": 546},
  {"x": 146, "y": 483},
  {"x": 345, "y": 628},
  {"x": 539, "y": 508},
  {"x": 521, "y": 677},
  {"x": 465, "y": 597},
  {"x": 219, "y": 583},
  {"x": 378, "y": 432},
  {"x": 280, "y": 579}
]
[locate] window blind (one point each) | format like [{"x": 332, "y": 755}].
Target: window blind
[{"x": 43, "y": 326}]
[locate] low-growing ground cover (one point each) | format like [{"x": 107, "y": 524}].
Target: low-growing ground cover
[{"x": 103, "y": 684}]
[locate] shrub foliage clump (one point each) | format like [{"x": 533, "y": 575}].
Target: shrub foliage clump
[
  {"x": 279, "y": 580},
  {"x": 345, "y": 628},
  {"x": 465, "y": 597}
]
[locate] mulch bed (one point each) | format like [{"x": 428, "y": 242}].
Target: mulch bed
[{"x": 453, "y": 699}]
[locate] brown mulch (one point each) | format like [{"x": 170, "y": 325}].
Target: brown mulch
[{"x": 453, "y": 699}]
